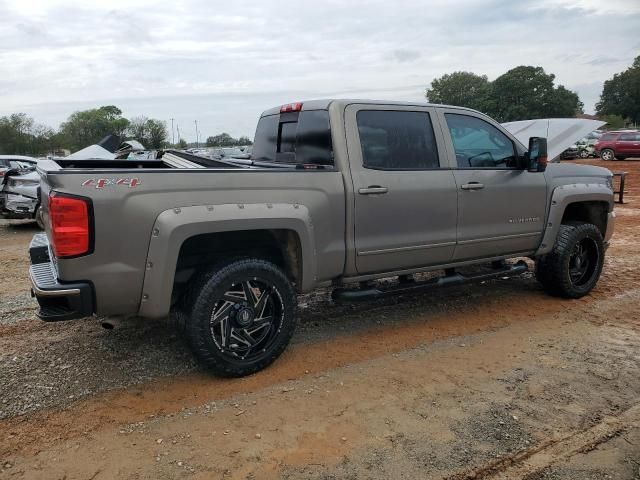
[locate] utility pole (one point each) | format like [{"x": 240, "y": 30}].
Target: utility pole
[
  {"x": 197, "y": 136},
  {"x": 178, "y": 128},
  {"x": 173, "y": 136}
]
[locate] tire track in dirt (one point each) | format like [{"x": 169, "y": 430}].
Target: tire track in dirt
[{"x": 535, "y": 460}]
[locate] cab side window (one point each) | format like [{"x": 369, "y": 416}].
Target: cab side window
[
  {"x": 397, "y": 140},
  {"x": 478, "y": 144}
]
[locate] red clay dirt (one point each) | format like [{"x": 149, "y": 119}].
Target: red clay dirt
[{"x": 495, "y": 380}]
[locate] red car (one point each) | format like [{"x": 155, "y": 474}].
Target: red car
[{"x": 618, "y": 145}]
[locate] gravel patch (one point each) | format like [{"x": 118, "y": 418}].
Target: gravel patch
[{"x": 14, "y": 309}]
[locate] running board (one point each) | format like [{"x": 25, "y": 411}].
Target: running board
[{"x": 361, "y": 294}]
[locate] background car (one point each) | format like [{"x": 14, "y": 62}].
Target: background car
[
  {"x": 570, "y": 153},
  {"x": 231, "y": 152},
  {"x": 19, "y": 184},
  {"x": 16, "y": 162},
  {"x": 618, "y": 145}
]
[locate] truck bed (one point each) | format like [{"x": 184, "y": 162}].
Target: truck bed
[{"x": 129, "y": 198}]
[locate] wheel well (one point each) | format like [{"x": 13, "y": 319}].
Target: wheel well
[
  {"x": 281, "y": 247},
  {"x": 589, "y": 212}
]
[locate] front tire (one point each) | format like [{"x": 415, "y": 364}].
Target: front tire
[
  {"x": 243, "y": 316},
  {"x": 607, "y": 155},
  {"x": 573, "y": 267}
]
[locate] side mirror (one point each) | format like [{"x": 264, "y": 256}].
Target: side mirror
[{"x": 537, "y": 154}]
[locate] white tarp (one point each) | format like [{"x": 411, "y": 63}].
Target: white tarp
[
  {"x": 560, "y": 133},
  {"x": 92, "y": 152}
]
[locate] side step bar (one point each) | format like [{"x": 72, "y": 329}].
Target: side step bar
[{"x": 361, "y": 294}]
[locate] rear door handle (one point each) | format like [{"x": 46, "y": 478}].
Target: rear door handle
[
  {"x": 472, "y": 186},
  {"x": 372, "y": 190}
]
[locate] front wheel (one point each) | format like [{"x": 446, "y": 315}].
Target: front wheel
[
  {"x": 584, "y": 154},
  {"x": 573, "y": 267},
  {"x": 243, "y": 316}
]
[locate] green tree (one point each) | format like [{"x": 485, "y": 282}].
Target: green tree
[
  {"x": 613, "y": 121},
  {"x": 20, "y": 134},
  {"x": 90, "y": 126},
  {"x": 182, "y": 144},
  {"x": 621, "y": 94},
  {"x": 244, "y": 140},
  {"x": 527, "y": 93},
  {"x": 158, "y": 134},
  {"x": 464, "y": 89},
  {"x": 521, "y": 93},
  {"x": 221, "y": 140},
  {"x": 148, "y": 131}
]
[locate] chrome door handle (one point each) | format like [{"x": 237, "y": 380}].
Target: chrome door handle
[
  {"x": 372, "y": 190},
  {"x": 472, "y": 186}
]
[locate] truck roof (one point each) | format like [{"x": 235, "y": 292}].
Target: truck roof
[{"x": 323, "y": 104}]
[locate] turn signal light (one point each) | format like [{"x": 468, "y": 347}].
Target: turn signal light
[{"x": 70, "y": 225}]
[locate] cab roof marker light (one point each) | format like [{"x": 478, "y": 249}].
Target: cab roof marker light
[{"x": 291, "y": 107}]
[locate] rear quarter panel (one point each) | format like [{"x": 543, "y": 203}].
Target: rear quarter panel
[{"x": 124, "y": 218}]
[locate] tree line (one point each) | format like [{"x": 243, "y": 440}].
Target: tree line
[
  {"x": 226, "y": 140},
  {"x": 21, "y": 134},
  {"x": 528, "y": 92},
  {"x": 524, "y": 92}
]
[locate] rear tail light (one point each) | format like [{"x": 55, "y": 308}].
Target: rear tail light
[{"x": 70, "y": 219}]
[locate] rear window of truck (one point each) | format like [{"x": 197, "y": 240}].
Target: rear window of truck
[{"x": 294, "y": 137}]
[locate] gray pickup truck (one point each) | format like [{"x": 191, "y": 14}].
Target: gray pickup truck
[{"x": 337, "y": 193}]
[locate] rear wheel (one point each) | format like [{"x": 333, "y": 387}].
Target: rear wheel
[
  {"x": 607, "y": 154},
  {"x": 243, "y": 316},
  {"x": 573, "y": 267},
  {"x": 584, "y": 154},
  {"x": 38, "y": 217}
]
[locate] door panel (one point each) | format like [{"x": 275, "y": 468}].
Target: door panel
[
  {"x": 505, "y": 216},
  {"x": 412, "y": 225},
  {"x": 501, "y": 208},
  {"x": 403, "y": 218},
  {"x": 628, "y": 144}
]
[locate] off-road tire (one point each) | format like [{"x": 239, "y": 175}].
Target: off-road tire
[
  {"x": 208, "y": 288},
  {"x": 607, "y": 154},
  {"x": 553, "y": 270}
]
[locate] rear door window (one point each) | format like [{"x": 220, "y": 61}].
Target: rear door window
[
  {"x": 397, "y": 140},
  {"x": 629, "y": 137}
]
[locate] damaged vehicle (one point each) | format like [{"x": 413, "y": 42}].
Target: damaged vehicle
[{"x": 19, "y": 188}]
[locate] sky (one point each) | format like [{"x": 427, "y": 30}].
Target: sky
[{"x": 223, "y": 63}]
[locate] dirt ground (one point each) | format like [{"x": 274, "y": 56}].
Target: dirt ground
[{"x": 492, "y": 381}]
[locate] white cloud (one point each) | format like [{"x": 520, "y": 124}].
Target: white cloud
[{"x": 222, "y": 63}]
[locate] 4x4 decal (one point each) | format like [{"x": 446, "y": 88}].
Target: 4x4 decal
[{"x": 106, "y": 182}]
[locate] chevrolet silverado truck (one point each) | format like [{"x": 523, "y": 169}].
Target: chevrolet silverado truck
[{"x": 337, "y": 193}]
